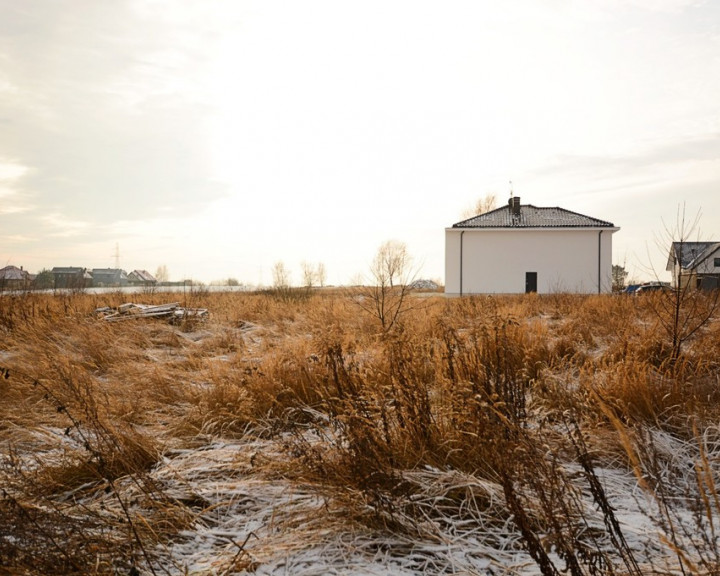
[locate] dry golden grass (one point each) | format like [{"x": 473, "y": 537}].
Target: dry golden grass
[{"x": 458, "y": 384}]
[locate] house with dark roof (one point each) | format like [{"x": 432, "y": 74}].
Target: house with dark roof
[
  {"x": 141, "y": 278},
  {"x": 71, "y": 277},
  {"x": 109, "y": 277},
  {"x": 694, "y": 265},
  {"x": 524, "y": 248},
  {"x": 14, "y": 278}
]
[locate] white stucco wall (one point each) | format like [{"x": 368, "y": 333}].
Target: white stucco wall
[
  {"x": 494, "y": 261},
  {"x": 708, "y": 265}
]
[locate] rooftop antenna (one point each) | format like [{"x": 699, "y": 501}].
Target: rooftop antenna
[
  {"x": 117, "y": 255},
  {"x": 511, "y": 189}
]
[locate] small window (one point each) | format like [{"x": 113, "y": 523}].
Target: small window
[{"x": 717, "y": 262}]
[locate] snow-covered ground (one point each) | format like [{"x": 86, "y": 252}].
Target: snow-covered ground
[{"x": 249, "y": 519}]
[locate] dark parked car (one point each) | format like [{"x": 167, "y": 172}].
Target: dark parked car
[{"x": 651, "y": 287}]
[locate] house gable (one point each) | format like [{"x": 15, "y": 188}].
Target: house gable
[
  {"x": 13, "y": 273},
  {"x": 12, "y": 277},
  {"x": 141, "y": 277},
  {"x": 693, "y": 255}
]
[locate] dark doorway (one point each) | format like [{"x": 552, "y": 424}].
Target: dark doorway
[{"x": 530, "y": 282}]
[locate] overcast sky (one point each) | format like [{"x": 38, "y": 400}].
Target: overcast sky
[{"x": 219, "y": 137}]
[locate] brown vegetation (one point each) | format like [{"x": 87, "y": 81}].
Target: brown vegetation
[{"x": 527, "y": 399}]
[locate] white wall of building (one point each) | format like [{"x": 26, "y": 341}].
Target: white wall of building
[
  {"x": 494, "y": 261},
  {"x": 707, "y": 266}
]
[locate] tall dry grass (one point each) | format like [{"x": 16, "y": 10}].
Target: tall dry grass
[{"x": 516, "y": 391}]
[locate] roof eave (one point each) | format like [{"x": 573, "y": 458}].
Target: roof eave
[{"x": 608, "y": 228}]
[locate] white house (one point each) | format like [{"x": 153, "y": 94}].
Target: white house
[
  {"x": 695, "y": 264},
  {"x": 523, "y": 248}
]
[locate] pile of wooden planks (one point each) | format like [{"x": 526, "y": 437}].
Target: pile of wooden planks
[{"x": 130, "y": 311}]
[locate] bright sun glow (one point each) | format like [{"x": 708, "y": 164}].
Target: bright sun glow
[{"x": 220, "y": 138}]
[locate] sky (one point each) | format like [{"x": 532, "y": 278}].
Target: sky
[{"x": 218, "y": 138}]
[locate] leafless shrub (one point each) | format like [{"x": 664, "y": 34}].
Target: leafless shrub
[
  {"x": 388, "y": 295},
  {"x": 684, "y": 310}
]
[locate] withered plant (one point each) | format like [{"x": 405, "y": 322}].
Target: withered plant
[{"x": 499, "y": 415}]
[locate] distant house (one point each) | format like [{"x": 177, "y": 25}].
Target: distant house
[
  {"x": 523, "y": 248},
  {"x": 71, "y": 277},
  {"x": 695, "y": 264},
  {"x": 14, "y": 278},
  {"x": 141, "y": 278},
  {"x": 109, "y": 277}
]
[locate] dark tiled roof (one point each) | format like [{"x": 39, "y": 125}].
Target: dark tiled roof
[
  {"x": 113, "y": 275},
  {"x": 67, "y": 270},
  {"x": 532, "y": 217},
  {"x": 691, "y": 254}
]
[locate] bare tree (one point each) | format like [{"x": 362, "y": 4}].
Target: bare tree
[
  {"x": 161, "y": 274},
  {"x": 313, "y": 275},
  {"x": 320, "y": 274},
  {"x": 391, "y": 274},
  {"x": 683, "y": 310},
  {"x": 281, "y": 275},
  {"x": 308, "y": 274},
  {"x": 481, "y": 205}
]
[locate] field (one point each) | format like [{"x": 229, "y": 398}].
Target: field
[{"x": 296, "y": 432}]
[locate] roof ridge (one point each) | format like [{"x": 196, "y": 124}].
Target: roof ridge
[{"x": 533, "y": 217}]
